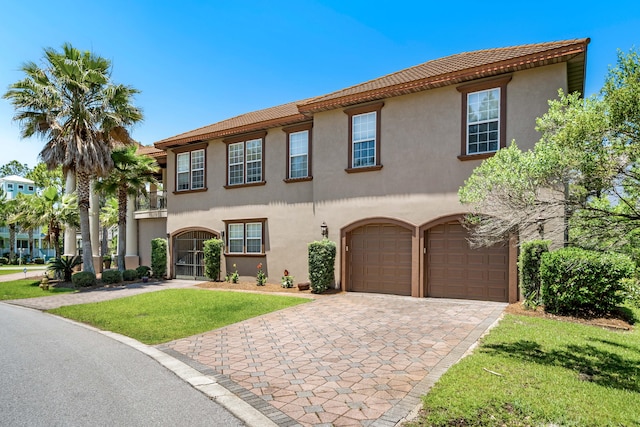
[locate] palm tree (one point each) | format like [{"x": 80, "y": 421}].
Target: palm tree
[
  {"x": 130, "y": 176},
  {"x": 8, "y": 218},
  {"x": 80, "y": 113},
  {"x": 108, "y": 219}
]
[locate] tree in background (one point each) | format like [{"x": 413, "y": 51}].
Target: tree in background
[
  {"x": 130, "y": 176},
  {"x": 14, "y": 167},
  {"x": 73, "y": 105},
  {"x": 583, "y": 175},
  {"x": 43, "y": 177}
]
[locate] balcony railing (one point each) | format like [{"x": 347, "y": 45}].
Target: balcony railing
[{"x": 154, "y": 200}]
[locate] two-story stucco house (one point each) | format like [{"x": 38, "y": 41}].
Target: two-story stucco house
[{"x": 379, "y": 164}]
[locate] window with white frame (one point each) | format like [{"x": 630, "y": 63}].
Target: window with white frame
[
  {"x": 364, "y": 139},
  {"x": 245, "y": 237},
  {"x": 245, "y": 162},
  {"x": 190, "y": 170},
  {"x": 299, "y": 154},
  {"x": 483, "y": 121}
]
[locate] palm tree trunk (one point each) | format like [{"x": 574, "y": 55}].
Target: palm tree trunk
[
  {"x": 122, "y": 227},
  {"x": 83, "y": 211},
  {"x": 31, "y": 243},
  {"x": 12, "y": 241}
]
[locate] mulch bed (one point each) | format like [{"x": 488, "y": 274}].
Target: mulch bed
[
  {"x": 268, "y": 287},
  {"x": 618, "y": 320}
]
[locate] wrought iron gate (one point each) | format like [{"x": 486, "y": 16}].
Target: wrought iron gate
[{"x": 189, "y": 254}]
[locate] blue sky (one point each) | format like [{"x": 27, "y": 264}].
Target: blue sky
[{"x": 199, "y": 62}]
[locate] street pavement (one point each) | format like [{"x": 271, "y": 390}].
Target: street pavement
[{"x": 56, "y": 373}]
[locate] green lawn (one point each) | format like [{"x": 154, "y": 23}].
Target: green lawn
[
  {"x": 158, "y": 317},
  {"x": 18, "y": 289},
  {"x": 550, "y": 372}
]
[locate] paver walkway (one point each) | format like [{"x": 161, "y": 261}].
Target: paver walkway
[{"x": 345, "y": 360}]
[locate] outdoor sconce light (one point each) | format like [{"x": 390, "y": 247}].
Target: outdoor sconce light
[{"x": 324, "y": 230}]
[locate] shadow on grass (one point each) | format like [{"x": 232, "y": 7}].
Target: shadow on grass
[{"x": 589, "y": 362}]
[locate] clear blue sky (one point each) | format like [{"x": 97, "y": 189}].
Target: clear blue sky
[{"x": 199, "y": 62}]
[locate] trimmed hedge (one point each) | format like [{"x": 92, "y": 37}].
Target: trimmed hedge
[
  {"x": 577, "y": 281},
  {"x": 83, "y": 279},
  {"x": 129, "y": 275},
  {"x": 322, "y": 257},
  {"x": 4, "y": 260},
  {"x": 142, "y": 271},
  {"x": 529, "y": 266},
  {"x": 212, "y": 253},
  {"x": 159, "y": 257},
  {"x": 112, "y": 276}
]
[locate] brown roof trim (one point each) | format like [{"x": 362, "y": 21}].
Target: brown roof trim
[{"x": 547, "y": 57}]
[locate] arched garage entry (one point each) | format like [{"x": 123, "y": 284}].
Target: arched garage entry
[
  {"x": 452, "y": 269},
  {"x": 188, "y": 252},
  {"x": 377, "y": 256}
]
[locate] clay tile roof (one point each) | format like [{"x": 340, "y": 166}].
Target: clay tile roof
[
  {"x": 432, "y": 74},
  {"x": 280, "y": 115},
  {"x": 450, "y": 70}
]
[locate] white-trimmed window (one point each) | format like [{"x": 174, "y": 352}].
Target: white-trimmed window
[
  {"x": 190, "y": 170},
  {"x": 245, "y": 237},
  {"x": 299, "y": 154},
  {"x": 245, "y": 161},
  {"x": 483, "y": 121}
]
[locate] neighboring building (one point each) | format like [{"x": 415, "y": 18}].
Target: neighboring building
[
  {"x": 379, "y": 163},
  {"x": 13, "y": 185}
]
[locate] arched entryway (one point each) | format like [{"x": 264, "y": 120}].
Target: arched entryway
[
  {"x": 378, "y": 256},
  {"x": 188, "y": 253}
]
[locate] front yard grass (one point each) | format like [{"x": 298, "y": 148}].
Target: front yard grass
[
  {"x": 532, "y": 371},
  {"x": 26, "y": 288},
  {"x": 163, "y": 316}
]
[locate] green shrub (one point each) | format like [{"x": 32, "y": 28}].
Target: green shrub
[
  {"x": 529, "y": 266},
  {"x": 322, "y": 256},
  {"x": 212, "y": 253},
  {"x": 129, "y": 275},
  {"x": 63, "y": 267},
  {"x": 631, "y": 290},
  {"x": 159, "y": 257},
  {"x": 143, "y": 271},
  {"x": 111, "y": 276},
  {"x": 38, "y": 260},
  {"x": 577, "y": 281},
  {"x": 4, "y": 260},
  {"x": 83, "y": 279}
]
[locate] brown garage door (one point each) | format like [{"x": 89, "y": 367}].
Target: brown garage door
[
  {"x": 380, "y": 259},
  {"x": 454, "y": 270}
]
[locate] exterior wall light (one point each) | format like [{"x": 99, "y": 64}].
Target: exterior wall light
[{"x": 324, "y": 230}]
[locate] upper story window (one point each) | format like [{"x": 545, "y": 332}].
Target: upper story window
[
  {"x": 483, "y": 118},
  {"x": 191, "y": 168},
  {"x": 298, "y": 152},
  {"x": 31, "y": 188},
  {"x": 364, "y": 138},
  {"x": 244, "y": 237},
  {"x": 245, "y": 165},
  {"x": 20, "y": 187},
  {"x": 9, "y": 186}
]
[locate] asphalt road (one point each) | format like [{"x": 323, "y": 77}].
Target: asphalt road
[{"x": 55, "y": 373}]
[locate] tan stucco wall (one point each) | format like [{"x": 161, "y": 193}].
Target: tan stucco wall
[
  {"x": 421, "y": 174},
  {"x": 149, "y": 229}
]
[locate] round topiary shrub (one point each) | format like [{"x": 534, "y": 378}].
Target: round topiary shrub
[
  {"x": 143, "y": 271},
  {"x": 83, "y": 279},
  {"x": 129, "y": 275},
  {"x": 111, "y": 276}
]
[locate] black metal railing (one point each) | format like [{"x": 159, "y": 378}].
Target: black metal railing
[{"x": 154, "y": 200}]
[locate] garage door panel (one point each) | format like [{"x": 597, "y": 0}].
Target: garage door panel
[
  {"x": 380, "y": 259},
  {"x": 454, "y": 270}
]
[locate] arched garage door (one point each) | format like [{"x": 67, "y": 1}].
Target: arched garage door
[
  {"x": 454, "y": 270},
  {"x": 379, "y": 259}
]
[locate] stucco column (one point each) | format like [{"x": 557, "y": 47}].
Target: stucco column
[
  {"x": 131, "y": 259},
  {"x": 94, "y": 226},
  {"x": 70, "y": 243}
]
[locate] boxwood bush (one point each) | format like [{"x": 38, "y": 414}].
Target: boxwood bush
[
  {"x": 212, "y": 252},
  {"x": 111, "y": 276},
  {"x": 129, "y": 275},
  {"x": 577, "y": 281},
  {"x": 529, "y": 266},
  {"x": 322, "y": 256},
  {"x": 142, "y": 271},
  {"x": 159, "y": 257},
  {"x": 83, "y": 279}
]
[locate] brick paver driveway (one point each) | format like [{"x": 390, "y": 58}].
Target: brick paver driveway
[{"x": 349, "y": 359}]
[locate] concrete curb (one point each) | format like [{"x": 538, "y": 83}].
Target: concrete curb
[{"x": 203, "y": 383}]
